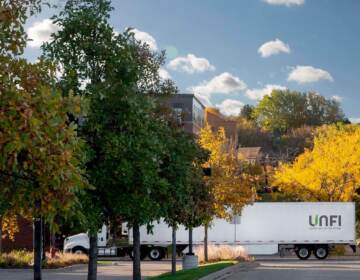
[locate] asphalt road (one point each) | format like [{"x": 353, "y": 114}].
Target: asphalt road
[
  {"x": 293, "y": 269},
  {"x": 270, "y": 268},
  {"x": 121, "y": 270}
]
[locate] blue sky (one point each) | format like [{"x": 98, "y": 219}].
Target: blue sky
[{"x": 233, "y": 52}]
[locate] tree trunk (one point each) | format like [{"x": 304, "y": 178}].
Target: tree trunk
[
  {"x": 52, "y": 245},
  {"x": 92, "y": 266},
  {"x": 43, "y": 258},
  {"x": 37, "y": 248},
  {"x": 136, "y": 251},
  {"x": 173, "y": 251},
  {"x": 206, "y": 256},
  {"x": 190, "y": 241}
]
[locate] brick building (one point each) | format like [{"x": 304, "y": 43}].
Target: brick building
[
  {"x": 215, "y": 120},
  {"x": 23, "y": 239}
]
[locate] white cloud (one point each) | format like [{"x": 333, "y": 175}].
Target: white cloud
[
  {"x": 273, "y": 47},
  {"x": 308, "y": 74},
  {"x": 164, "y": 74},
  {"x": 145, "y": 38},
  {"x": 190, "y": 64},
  {"x": 230, "y": 107},
  {"x": 355, "y": 120},
  {"x": 337, "y": 98},
  {"x": 39, "y": 32},
  {"x": 287, "y": 3},
  {"x": 259, "y": 93},
  {"x": 224, "y": 83}
]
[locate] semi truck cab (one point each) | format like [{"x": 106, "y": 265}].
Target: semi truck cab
[{"x": 79, "y": 243}]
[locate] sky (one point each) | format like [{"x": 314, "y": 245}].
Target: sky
[{"x": 233, "y": 52}]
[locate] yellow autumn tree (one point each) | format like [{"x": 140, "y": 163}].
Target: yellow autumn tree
[
  {"x": 9, "y": 227},
  {"x": 232, "y": 184},
  {"x": 328, "y": 172}
]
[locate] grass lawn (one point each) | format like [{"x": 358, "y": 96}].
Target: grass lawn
[
  {"x": 105, "y": 262},
  {"x": 196, "y": 273}
]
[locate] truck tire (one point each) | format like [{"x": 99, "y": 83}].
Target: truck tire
[
  {"x": 321, "y": 252},
  {"x": 156, "y": 253},
  {"x": 143, "y": 253},
  {"x": 303, "y": 252},
  {"x": 79, "y": 250}
]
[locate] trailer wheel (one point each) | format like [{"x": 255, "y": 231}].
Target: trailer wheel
[
  {"x": 79, "y": 250},
  {"x": 303, "y": 252},
  {"x": 156, "y": 253},
  {"x": 321, "y": 252},
  {"x": 143, "y": 253}
]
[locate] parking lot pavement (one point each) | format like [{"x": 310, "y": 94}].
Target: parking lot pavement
[
  {"x": 121, "y": 270},
  {"x": 290, "y": 268}
]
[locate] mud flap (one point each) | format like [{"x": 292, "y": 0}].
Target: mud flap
[{"x": 353, "y": 247}]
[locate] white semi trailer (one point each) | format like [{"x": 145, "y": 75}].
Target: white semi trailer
[{"x": 263, "y": 228}]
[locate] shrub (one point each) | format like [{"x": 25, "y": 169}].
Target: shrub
[
  {"x": 66, "y": 259},
  {"x": 222, "y": 253},
  {"x": 338, "y": 250},
  {"x": 24, "y": 259},
  {"x": 16, "y": 259}
]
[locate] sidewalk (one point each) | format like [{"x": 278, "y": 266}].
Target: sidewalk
[
  {"x": 231, "y": 270},
  {"x": 242, "y": 268},
  {"x": 121, "y": 270}
]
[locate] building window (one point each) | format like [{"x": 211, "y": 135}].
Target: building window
[
  {"x": 198, "y": 114},
  {"x": 178, "y": 114}
]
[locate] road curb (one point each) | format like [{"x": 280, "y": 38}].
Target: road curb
[{"x": 231, "y": 270}]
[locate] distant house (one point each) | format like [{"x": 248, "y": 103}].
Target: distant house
[{"x": 251, "y": 154}]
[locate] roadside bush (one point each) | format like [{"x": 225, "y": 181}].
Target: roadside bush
[
  {"x": 65, "y": 259},
  {"x": 24, "y": 259},
  {"x": 16, "y": 259},
  {"x": 222, "y": 253}
]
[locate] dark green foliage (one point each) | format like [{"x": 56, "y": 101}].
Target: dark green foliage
[
  {"x": 182, "y": 169},
  {"x": 247, "y": 112},
  {"x": 137, "y": 154},
  {"x": 140, "y": 163}
]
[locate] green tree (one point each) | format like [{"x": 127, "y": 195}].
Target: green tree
[
  {"x": 117, "y": 75},
  {"x": 129, "y": 154},
  {"x": 181, "y": 162},
  {"x": 83, "y": 51},
  {"x": 281, "y": 110},
  {"x": 200, "y": 204},
  {"x": 321, "y": 110},
  {"x": 284, "y": 110},
  {"x": 247, "y": 112}
]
